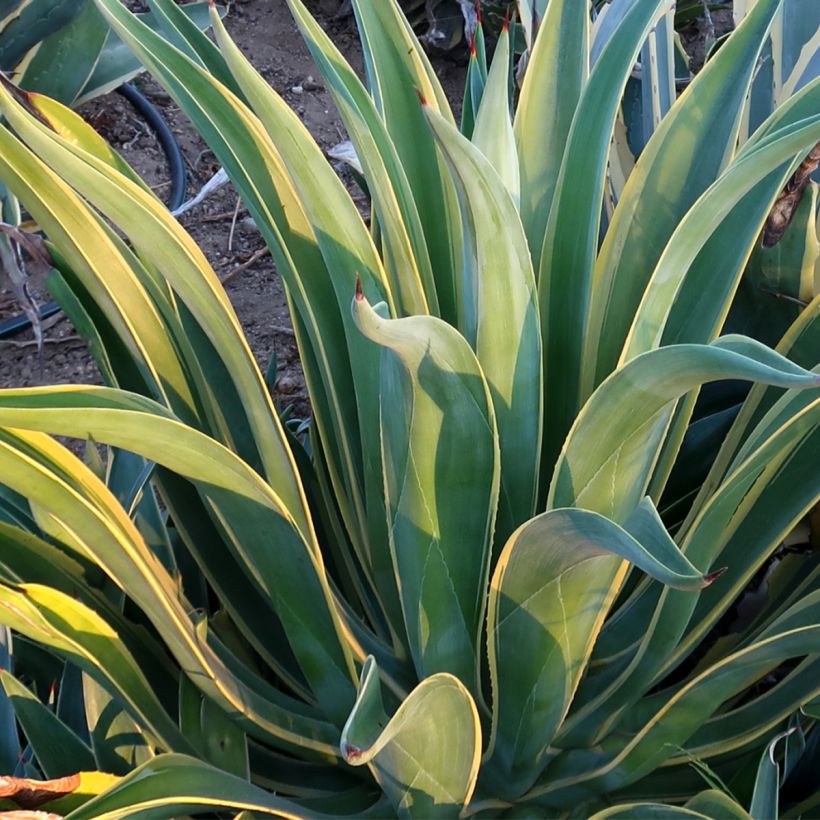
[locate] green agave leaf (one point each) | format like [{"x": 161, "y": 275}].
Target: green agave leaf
[
  {"x": 674, "y": 722},
  {"x": 649, "y": 811},
  {"x": 714, "y": 803},
  {"x": 556, "y": 74},
  {"x": 293, "y": 577},
  {"x": 775, "y": 523},
  {"x": 751, "y": 512},
  {"x": 54, "y": 619},
  {"x": 144, "y": 220},
  {"x": 57, "y": 749},
  {"x": 493, "y": 133},
  {"x": 76, "y": 130},
  {"x": 182, "y": 26},
  {"x": 117, "y": 64},
  {"x": 757, "y": 718},
  {"x": 426, "y": 757},
  {"x": 693, "y": 231},
  {"x": 473, "y": 86},
  {"x": 89, "y": 249},
  {"x": 767, "y": 785},
  {"x": 571, "y": 239},
  {"x": 24, "y": 25},
  {"x": 9, "y": 735},
  {"x": 499, "y": 318},
  {"x": 226, "y": 746},
  {"x": 812, "y": 708},
  {"x": 685, "y": 155},
  {"x": 117, "y": 739},
  {"x": 63, "y": 61},
  {"x": 398, "y": 71},
  {"x": 441, "y": 475},
  {"x": 703, "y": 301},
  {"x": 258, "y": 170},
  {"x": 66, "y": 491},
  {"x": 800, "y": 344},
  {"x": 543, "y": 618},
  {"x": 346, "y": 247},
  {"x": 407, "y": 263},
  {"x": 174, "y": 785},
  {"x": 609, "y": 474}
]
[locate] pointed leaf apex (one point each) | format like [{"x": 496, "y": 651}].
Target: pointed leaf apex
[
  {"x": 479, "y": 20},
  {"x": 505, "y": 26},
  {"x": 359, "y": 293},
  {"x": 420, "y": 95},
  {"x": 711, "y": 577},
  {"x": 473, "y": 48}
]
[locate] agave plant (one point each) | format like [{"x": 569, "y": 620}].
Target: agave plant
[{"x": 470, "y": 587}]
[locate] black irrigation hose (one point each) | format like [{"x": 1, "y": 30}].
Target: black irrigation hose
[{"x": 179, "y": 184}]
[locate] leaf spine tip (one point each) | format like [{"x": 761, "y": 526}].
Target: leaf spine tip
[
  {"x": 359, "y": 293},
  {"x": 711, "y": 577},
  {"x": 479, "y": 19},
  {"x": 420, "y": 95}
]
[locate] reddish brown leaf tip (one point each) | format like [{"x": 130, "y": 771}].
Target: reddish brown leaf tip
[
  {"x": 350, "y": 753},
  {"x": 505, "y": 26},
  {"x": 713, "y": 576},
  {"x": 479, "y": 19},
  {"x": 473, "y": 48},
  {"x": 420, "y": 95},
  {"x": 359, "y": 294}
]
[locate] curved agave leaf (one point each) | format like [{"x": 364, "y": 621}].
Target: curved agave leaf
[
  {"x": 89, "y": 248},
  {"x": 174, "y": 785},
  {"x": 685, "y": 155},
  {"x": 800, "y": 344},
  {"x": 145, "y": 220},
  {"x": 66, "y": 492},
  {"x": 556, "y": 74},
  {"x": 714, "y": 803},
  {"x": 609, "y": 473},
  {"x": 543, "y": 619},
  {"x": 440, "y": 452},
  {"x": 765, "y": 482},
  {"x": 499, "y": 318},
  {"x": 426, "y": 756},
  {"x": 184, "y": 30},
  {"x": 242, "y": 503},
  {"x": 569, "y": 779},
  {"x": 709, "y": 804},
  {"x": 571, "y": 239},
  {"x": 648, "y": 811},
  {"x": 56, "y": 620}
]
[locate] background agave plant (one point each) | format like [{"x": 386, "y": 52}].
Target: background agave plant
[{"x": 454, "y": 593}]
